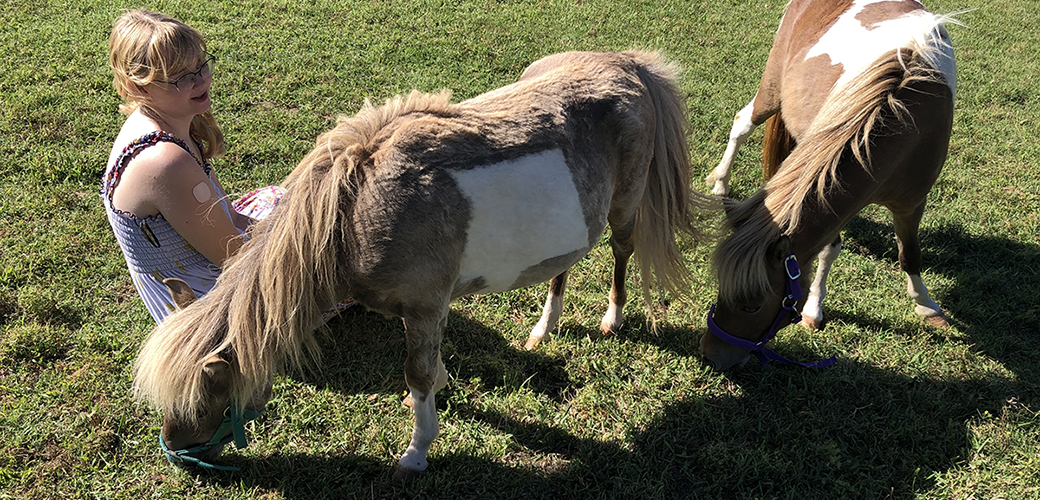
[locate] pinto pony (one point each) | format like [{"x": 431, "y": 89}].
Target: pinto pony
[
  {"x": 408, "y": 206},
  {"x": 864, "y": 91}
]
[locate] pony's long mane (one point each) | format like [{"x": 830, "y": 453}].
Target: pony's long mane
[
  {"x": 845, "y": 124},
  {"x": 269, "y": 299},
  {"x": 847, "y": 120}
]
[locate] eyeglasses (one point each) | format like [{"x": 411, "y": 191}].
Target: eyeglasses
[{"x": 188, "y": 81}]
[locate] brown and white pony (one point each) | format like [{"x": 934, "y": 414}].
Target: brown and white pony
[
  {"x": 865, "y": 89},
  {"x": 408, "y": 206}
]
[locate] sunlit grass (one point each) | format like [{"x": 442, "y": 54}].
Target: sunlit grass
[{"x": 909, "y": 411}]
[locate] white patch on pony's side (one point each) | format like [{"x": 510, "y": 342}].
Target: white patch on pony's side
[
  {"x": 524, "y": 211},
  {"x": 855, "y": 47}
]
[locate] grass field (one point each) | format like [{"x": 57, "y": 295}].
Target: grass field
[{"x": 908, "y": 411}]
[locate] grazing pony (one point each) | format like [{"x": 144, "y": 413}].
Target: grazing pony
[
  {"x": 408, "y": 206},
  {"x": 860, "y": 92}
]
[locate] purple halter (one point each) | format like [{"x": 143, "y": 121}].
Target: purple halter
[{"x": 759, "y": 349}]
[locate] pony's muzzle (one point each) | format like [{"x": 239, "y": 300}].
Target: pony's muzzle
[
  {"x": 200, "y": 455},
  {"x": 721, "y": 356},
  {"x": 729, "y": 367}
]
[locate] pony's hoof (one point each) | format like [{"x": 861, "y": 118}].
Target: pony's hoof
[
  {"x": 811, "y": 324},
  {"x": 612, "y": 321},
  {"x": 532, "y": 343},
  {"x": 608, "y": 329},
  {"x": 938, "y": 321},
  {"x": 718, "y": 187},
  {"x": 406, "y": 475},
  {"x": 408, "y": 400}
]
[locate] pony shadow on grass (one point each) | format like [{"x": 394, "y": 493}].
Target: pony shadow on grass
[
  {"x": 852, "y": 431},
  {"x": 365, "y": 352},
  {"x": 993, "y": 297}
]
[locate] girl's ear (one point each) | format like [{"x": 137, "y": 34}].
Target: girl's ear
[
  {"x": 137, "y": 90},
  {"x": 132, "y": 91}
]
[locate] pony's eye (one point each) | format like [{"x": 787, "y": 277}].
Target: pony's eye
[{"x": 751, "y": 309}]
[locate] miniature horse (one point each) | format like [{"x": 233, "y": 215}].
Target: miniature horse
[
  {"x": 411, "y": 205},
  {"x": 865, "y": 89}
]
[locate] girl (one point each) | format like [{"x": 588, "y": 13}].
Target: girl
[{"x": 164, "y": 201}]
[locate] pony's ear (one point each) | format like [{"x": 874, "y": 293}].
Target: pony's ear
[
  {"x": 216, "y": 371},
  {"x": 180, "y": 292},
  {"x": 215, "y": 365},
  {"x": 729, "y": 205},
  {"x": 780, "y": 248}
]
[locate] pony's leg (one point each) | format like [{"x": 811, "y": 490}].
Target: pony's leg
[
  {"x": 812, "y": 311},
  {"x": 550, "y": 313},
  {"x": 718, "y": 179},
  {"x": 622, "y": 247},
  {"x": 425, "y": 374},
  {"x": 906, "y": 226}
]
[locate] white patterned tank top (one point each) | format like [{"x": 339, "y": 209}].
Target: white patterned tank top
[{"x": 153, "y": 250}]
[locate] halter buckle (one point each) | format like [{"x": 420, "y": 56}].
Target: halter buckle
[{"x": 791, "y": 266}]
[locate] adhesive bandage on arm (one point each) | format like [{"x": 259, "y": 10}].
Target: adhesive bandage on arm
[{"x": 202, "y": 192}]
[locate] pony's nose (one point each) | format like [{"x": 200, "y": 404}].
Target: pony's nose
[
  {"x": 739, "y": 365},
  {"x": 726, "y": 366}
]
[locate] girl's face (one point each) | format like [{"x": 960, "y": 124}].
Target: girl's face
[{"x": 186, "y": 94}]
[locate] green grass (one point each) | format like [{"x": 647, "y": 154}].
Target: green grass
[{"x": 908, "y": 412}]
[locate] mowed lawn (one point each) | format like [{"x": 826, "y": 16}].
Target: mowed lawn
[{"x": 909, "y": 411}]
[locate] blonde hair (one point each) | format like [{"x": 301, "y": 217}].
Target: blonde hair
[{"x": 146, "y": 47}]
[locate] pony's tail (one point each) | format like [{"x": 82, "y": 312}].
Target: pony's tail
[
  {"x": 777, "y": 144},
  {"x": 668, "y": 203}
]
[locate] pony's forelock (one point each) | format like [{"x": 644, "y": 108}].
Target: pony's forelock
[
  {"x": 168, "y": 371},
  {"x": 739, "y": 261}
]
